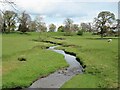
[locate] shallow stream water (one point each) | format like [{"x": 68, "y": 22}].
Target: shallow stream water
[{"x": 58, "y": 78}]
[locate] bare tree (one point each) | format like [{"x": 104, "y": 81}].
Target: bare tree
[
  {"x": 68, "y": 26},
  {"x": 52, "y": 27},
  {"x": 75, "y": 27},
  {"x": 8, "y": 17},
  {"x": 32, "y": 26},
  {"x": 86, "y": 27},
  {"x": 8, "y": 21},
  {"x": 41, "y": 26},
  {"x": 24, "y": 20}
]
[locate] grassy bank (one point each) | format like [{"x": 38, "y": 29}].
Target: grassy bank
[
  {"x": 99, "y": 57},
  {"x": 101, "y": 60},
  {"x": 39, "y": 61}
]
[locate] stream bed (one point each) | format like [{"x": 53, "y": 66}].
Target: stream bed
[{"x": 58, "y": 78}]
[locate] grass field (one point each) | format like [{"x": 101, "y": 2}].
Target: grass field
[
  {"x": 39, "y": 61},
  {"x": 99, "y": 56},
  {"x": 0, "y": 61}
]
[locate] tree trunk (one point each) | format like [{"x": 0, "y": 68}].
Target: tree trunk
[{"x": 101, "y": 33}]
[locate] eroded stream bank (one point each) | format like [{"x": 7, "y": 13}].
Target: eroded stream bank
[{"x": 58, "y": 78}]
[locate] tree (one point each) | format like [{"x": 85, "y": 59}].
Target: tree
[
  {"x": 103, "y": 21},
  {"x": 24, "y": 22},
  {"x": 86, "y": 27},
  {"x": 95, "y": 28},
  {"x": 9, "y": 21},
  {"x": 40, "y": 25},
  {"x": 90, "y": 27},
  {"x": 118, "y": 24},
  {"x": 32, "y": 26},
  {"x": 1, "y": 22},
  {"x": 52, "y": 27},
  {"x": 75, "y": 27},
  {"x": 61, "y": 29},
  {"x": 68, "y": 26}
]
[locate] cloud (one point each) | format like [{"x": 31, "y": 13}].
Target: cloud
[
  {"x": 51, "y": 9},
  {"x": 57, "y": 10}
]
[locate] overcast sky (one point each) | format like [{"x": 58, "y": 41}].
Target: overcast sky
[{"x": 55, "y": 11}]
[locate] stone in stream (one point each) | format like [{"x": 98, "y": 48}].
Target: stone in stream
[{"x": 62, "y": 72}]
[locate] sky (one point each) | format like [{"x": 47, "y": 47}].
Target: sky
[{"x": 56, "y": 11}]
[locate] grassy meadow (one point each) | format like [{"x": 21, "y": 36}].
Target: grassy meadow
[
  {"x": 101, "y": 61},
  {"x": 99, "y": 57},
  {"x": 0, "y": 61},
  {"x": 39, "y": 61}
]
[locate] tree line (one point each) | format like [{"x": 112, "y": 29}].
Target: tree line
[
  {"x": 103, "y": 24},
  {"x": 11, "y": 21}
]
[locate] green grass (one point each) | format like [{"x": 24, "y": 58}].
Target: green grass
[
  {"x": 99, "y": 56},
  {"x": 0, "y": 61},
  {"x": 39, "y": 62},
  {"x": 83, "y": 81}
]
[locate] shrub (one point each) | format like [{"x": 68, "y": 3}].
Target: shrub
[
  {"x": 80, "y": 32},
  {"x": 68, "y": 33}
]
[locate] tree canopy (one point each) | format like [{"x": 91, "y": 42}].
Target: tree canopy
[
  {"x": 9, "y": 21},
  {"x": 103, "y": 21},
  {"x": 52, "y": 27},
  {"x": 68, "y": 26},
  {"x": 24, "y": 20}
]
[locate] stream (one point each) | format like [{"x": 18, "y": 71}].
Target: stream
[{"x": 58, "y": 78}]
